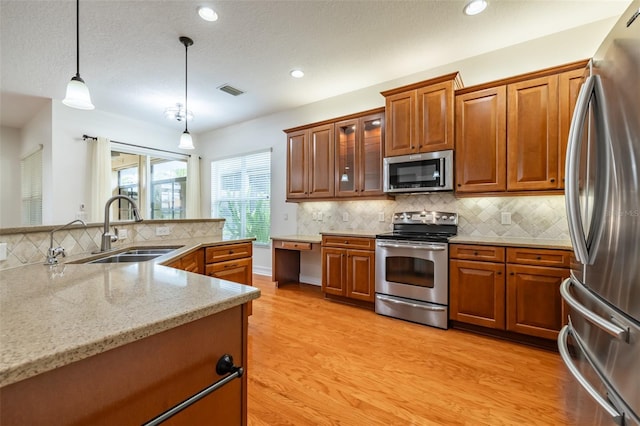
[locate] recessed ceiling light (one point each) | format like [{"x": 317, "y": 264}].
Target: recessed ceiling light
[
  {"x": 475, "y": 6},
  {"x": 207, "y": 13},
  {"x": 297, "y": 73}
]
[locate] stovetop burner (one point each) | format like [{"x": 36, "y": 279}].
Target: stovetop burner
[{"x": 423, "y": 226}]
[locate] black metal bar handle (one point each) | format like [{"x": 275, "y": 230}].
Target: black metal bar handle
[{"x": 225, "y": 365}]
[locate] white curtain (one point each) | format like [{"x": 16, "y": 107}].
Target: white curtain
[
  {"x": 193, "y": 187},
  {"x": 100, "y": 177}
]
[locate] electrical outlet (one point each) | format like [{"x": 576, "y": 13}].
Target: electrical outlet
[
  {"x": 3, "y": 251},
  {"x": 506, "y": 218},
  {"x": 345, "y": 217},
  {"x": 123, "y": 234},
  {"x": 380, "y": 216},
  {"x": 320, "y": 216},
  {"x": 162, "y": 230},
  {"x": 314, "y": 216}
]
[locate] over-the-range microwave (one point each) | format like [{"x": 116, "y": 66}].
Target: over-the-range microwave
[{"x": 426, "y": 172}]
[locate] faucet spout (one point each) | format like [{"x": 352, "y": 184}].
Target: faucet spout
[
  {"x": 53, "y": 253},
  {"x": 108, "y": 238}
]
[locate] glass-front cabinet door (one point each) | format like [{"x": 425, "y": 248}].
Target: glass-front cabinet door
[{"x": 359, "y": 145}]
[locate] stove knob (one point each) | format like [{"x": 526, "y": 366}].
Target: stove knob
[
  {"x": 444, "y": 218},
  {"x": 437, "y": 217}
]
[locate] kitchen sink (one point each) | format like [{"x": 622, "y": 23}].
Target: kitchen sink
[
  {"x": 142, "y": 254},
  {"x": 125, "y": 258}
]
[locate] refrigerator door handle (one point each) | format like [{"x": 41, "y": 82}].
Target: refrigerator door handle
[
  {"x": 607, "y": 326},
  {"x": 572, "y": 164},
  {"x": 566, "y": 357}
]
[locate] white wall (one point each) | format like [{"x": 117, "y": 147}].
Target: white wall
[
  {"x": 568, "y": 46},
  {"x": 71, "y": 171},
  {"x": 10, "y": 146}
]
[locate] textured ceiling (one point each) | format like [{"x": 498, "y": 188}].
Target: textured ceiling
[{"x": 133, "y": 63}]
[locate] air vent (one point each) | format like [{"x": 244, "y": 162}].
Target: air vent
[{"x": 230, "y": 90}]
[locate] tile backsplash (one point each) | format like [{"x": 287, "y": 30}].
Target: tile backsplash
[
  {"x": 531, "y": 216},
  {"x": 29, "y": 246}
]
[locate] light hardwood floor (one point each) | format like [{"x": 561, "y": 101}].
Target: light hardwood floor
[{"x": 317, "y": 362}]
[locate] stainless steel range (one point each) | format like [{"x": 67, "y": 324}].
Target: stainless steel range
[{"x": 412, "y": 267}]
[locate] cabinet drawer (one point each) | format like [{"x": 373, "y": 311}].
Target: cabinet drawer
[
  {"x": 293, "y": 245},
  {"x": 349, "y": 242},
  {"x": 228, "y": 252},
  {"x": 539, "y": 257},
  {"x": 215, "y": 268},
  {"x": 475, "y": 252}
]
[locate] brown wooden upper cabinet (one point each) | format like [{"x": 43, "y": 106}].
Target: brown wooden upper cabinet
[
  {"x": 420, "y": 116},
  {"x": 338, "y": 158},
  {"x": 512, "y": 135},
  {"x": 310, "y": 162},
  {"x": 359, "y": 156}
]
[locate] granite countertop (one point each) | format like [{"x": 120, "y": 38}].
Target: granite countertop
[
  {"x": 513, "y": 242},
  {"x": 51, "y": 316},
  {"x": 351, "y": 233},
  {"x": 300, "y": 238}
]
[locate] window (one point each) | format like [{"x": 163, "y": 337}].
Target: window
[
  {"x": 241, "y": 194},
  {"x": 31, "y": 185},
  {"x": 164, "y": 197}
]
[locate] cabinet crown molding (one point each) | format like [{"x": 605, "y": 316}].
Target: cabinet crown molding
[{"x": 455, "y": 76}]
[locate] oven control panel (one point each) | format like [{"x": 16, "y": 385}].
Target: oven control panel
[{"x": 428, "y": 217}]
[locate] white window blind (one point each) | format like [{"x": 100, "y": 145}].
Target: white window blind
[
  {"x": 31, "y": 185},
  {"x": 241, "y": 194}
]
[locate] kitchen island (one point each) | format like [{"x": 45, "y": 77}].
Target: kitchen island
[{"x": 118, "y": 343}]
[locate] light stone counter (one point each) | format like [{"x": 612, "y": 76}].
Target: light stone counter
[
  {"x": 352, "y": 233},
  {"x": 51, "y": 316},
  {"x": 513, "y": 242}
]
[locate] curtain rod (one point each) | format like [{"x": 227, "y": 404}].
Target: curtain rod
[{"x": 85, "y": 137}]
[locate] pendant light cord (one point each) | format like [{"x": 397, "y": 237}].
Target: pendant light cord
[
  {"x": 78, "y": 38},
  {"x": 186, "y": 105}
]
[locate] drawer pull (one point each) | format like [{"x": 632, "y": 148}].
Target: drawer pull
[
  {"x": 233, "y": 265},
  {"x": 475, "y": 253},
  {"x": 230, "y": 251},
  {"x": 224, "y": 366},
  {"x": 539, "y": 257}
]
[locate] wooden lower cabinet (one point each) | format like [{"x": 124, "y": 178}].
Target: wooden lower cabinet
[
  {"x": 517, "y": 291},
  {"x": 134, "y": 383},
  {"x": 477, "y": 293},
  {"x": 231, "y": 262},
  {"x": 349, "y": 272},
  {"x": 534, "y": 304},
  {"x": 191, "y": 262}
]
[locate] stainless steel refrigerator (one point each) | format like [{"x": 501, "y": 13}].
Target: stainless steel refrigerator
[{"x": 601, "y": 343}]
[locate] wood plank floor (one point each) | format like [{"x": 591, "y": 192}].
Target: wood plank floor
[{"x": 317, "y": 362}]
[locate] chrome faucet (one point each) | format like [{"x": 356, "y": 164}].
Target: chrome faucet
[
  {"x": 53, "y": 253},
  {"x": 108, "y": 238}
]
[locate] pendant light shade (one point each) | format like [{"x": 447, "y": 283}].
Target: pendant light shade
[
  {"x": 77, "y": 95},
  {"x": 186, "y": 142}
]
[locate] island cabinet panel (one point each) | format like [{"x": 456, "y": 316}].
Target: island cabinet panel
[
  {"x": 481, "y": 143},
  {"x": 532, "y": 134},
  {"x": 191, "y": 262},
  {"x": 348, "y": 268},
  {"x": 136, "y": 382}
]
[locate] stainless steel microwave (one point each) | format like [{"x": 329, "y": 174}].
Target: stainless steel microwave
[{"x": 426, "y": 172}]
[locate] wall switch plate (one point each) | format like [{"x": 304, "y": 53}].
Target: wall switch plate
[
  {"x": 320, "y": 216},
  {"x": 380, "y": 216},
  {"x": 345, "y": 217},
  {"x": 314, "y": 216},
  {"x": 123, "y": 234},
  {"x": 3, "y": 251},
  {"x": 506, "y": 218},
  {"x": 162, "y": 230}
]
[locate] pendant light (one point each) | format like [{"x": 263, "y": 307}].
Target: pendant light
[
  {"x": 77, "y": 92},
  {"x": 186, "y": 142}
]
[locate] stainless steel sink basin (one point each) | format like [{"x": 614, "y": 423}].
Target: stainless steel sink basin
[
  {"x": 124, "y": 258},
  {"x": 133, "y": 255}
]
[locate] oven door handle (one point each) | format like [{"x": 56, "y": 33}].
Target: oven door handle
[
  {"x": 430, "y": 247},
  {"x": 413, "y": 305}
]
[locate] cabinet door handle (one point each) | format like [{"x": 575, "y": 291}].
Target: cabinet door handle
[
  {"x": 512, "y": 273},
  {"x": 500, "y": 273},
  {"x": 225, "y": 365},
  {"x": 552, "y": 180}
]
